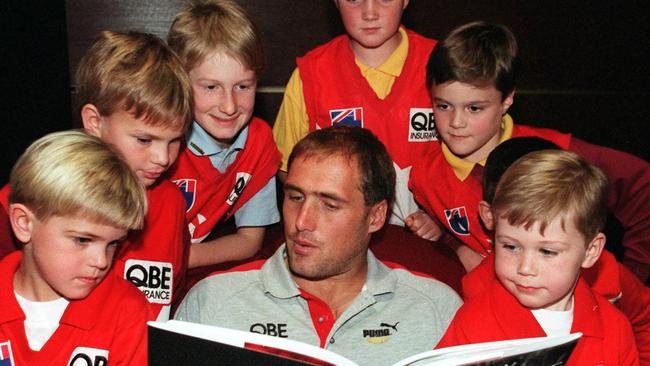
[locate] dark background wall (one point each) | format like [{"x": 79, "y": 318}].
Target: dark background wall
[
  {"x": 33, "y": 75},
  {"x": 584, "y": 62}
]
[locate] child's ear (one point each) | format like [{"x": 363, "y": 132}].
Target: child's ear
[
  {"x": 594, "y": 248},
  {"x": 91, "y": 119},
  {"x": 406, "y": 2},
  {"x": 22, "y": 221},
  {"x": 507, "y": 102},
  {"x": 485, "y": 214}
]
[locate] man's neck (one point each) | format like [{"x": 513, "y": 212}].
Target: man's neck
[
  {"x": 375, "y": 57},
  {"x": 338, "y": 291}
]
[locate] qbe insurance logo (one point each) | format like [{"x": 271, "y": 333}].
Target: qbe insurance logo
[
  {"x": 154, "y": 279},
  {"x": 86, "y": 356},
  {"x": 422, "y": 125}
]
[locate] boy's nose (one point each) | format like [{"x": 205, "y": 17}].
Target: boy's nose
[
  {"x": 526, "y": 265},
  {"x": 160, "y": 155},
  {"x": 457, "y": 120},
  {"x": 99, "y": 258},
  {"x": 228, "y": 104},
  {"x": 369, "y": 10}
]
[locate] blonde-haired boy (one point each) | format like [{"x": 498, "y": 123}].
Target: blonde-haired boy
[
  {"x": 136, "y": 97},
  {"x": 228, "y": 165},
  {"x": 72, "y": 202},
  {"x": 549, "y": 209}
]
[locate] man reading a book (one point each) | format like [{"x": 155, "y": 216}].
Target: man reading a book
[{"x": 324, "y": 286}]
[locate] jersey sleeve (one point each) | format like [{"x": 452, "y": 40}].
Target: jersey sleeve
[
  {"x": 292, "y": 122},
  {"x": 629, "y": 200}
]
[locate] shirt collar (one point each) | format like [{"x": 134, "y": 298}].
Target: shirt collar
[
  {"x": 395, "y": 63},
  {"x": 462, "y": 168},
  {"x": 200, "y": 142}
]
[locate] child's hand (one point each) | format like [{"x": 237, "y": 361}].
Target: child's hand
[{"x": 423, "y": 226}]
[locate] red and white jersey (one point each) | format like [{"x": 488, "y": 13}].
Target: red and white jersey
[
  {"x": 607, "y": 337},
  {"x": 211, "y": 196},
  {"x": 108, "y": 327},
  {"x": 454, "y": 202},
  {"x": 155, "y": 258},
  {"x": 336, "y": 93}
]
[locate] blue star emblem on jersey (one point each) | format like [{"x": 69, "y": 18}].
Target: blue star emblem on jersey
[
  {"x": 6, "y": 358},
  {"x": 347, "y": 116},
  {"x": 458, "y": 221},
  {"x": 188, "y": 189}
]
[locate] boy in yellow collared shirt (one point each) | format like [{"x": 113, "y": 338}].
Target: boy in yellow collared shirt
[{"x": 372, "y": 77}]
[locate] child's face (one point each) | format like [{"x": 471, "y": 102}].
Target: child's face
[
  {"x": 224, "y": 96},
  {"x": 541, "y": 270},
  {"x": 371, "y": 23},
  {"x": 148, "y": 150},
  {"x": 468, "y": 118},
  {"x": 69, "y": 257}
]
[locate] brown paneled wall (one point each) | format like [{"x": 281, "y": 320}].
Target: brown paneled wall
[{"x": 583, "y": 61}]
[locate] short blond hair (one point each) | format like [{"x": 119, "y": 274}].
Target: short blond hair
[
  {"x": 546, "y": 184},
  {"x": 73, "y": 173},
  {"x": 216, "y": 25},
  {"x": 138, "y": 73}
]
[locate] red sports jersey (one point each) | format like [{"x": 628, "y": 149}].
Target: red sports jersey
[
  {"x": 607, "y": 336},
  {"x": 607, "y": 277},
  {"x": 155, "y": 258},
  {"x": 108, "y": 327},
  {"x": 336, "y": 92},
  {"x": 454, "y": 202},
  {"x": 211, "y": 196}
]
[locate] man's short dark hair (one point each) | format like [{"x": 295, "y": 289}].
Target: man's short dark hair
[{"x": 375, "y": 165}]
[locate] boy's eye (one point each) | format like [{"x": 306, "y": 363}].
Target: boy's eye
[
  {"x": 508, "y": 247},
  {"x": 474, "y": 108},
  {"x": 115, "y": 243},
  {"x": 243, "y": 87},
  {"x": 547, "y": 252},
  {"x": 442, "y": 106},
  {"x": 81, "y": 240}
]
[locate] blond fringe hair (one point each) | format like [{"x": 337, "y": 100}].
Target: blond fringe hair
[
  {"x": 73, "y": 173},
  {"x": 138, "y": 73},
  {"x": 216, "y": 26},
  {"x": 546, "y": 184}
]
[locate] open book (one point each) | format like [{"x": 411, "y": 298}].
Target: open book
[{"x": 181, "y": 343}]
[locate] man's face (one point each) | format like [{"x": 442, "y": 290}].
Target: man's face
[
  {"x": 372, "y": 23},
  {"x": 541, "y": 270},
  {"x": 468, "y": 118},
  {"x": 224, "y": 95},
  {"x": 148, "y": 150},
  {"x": 326, "y": 221}
]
